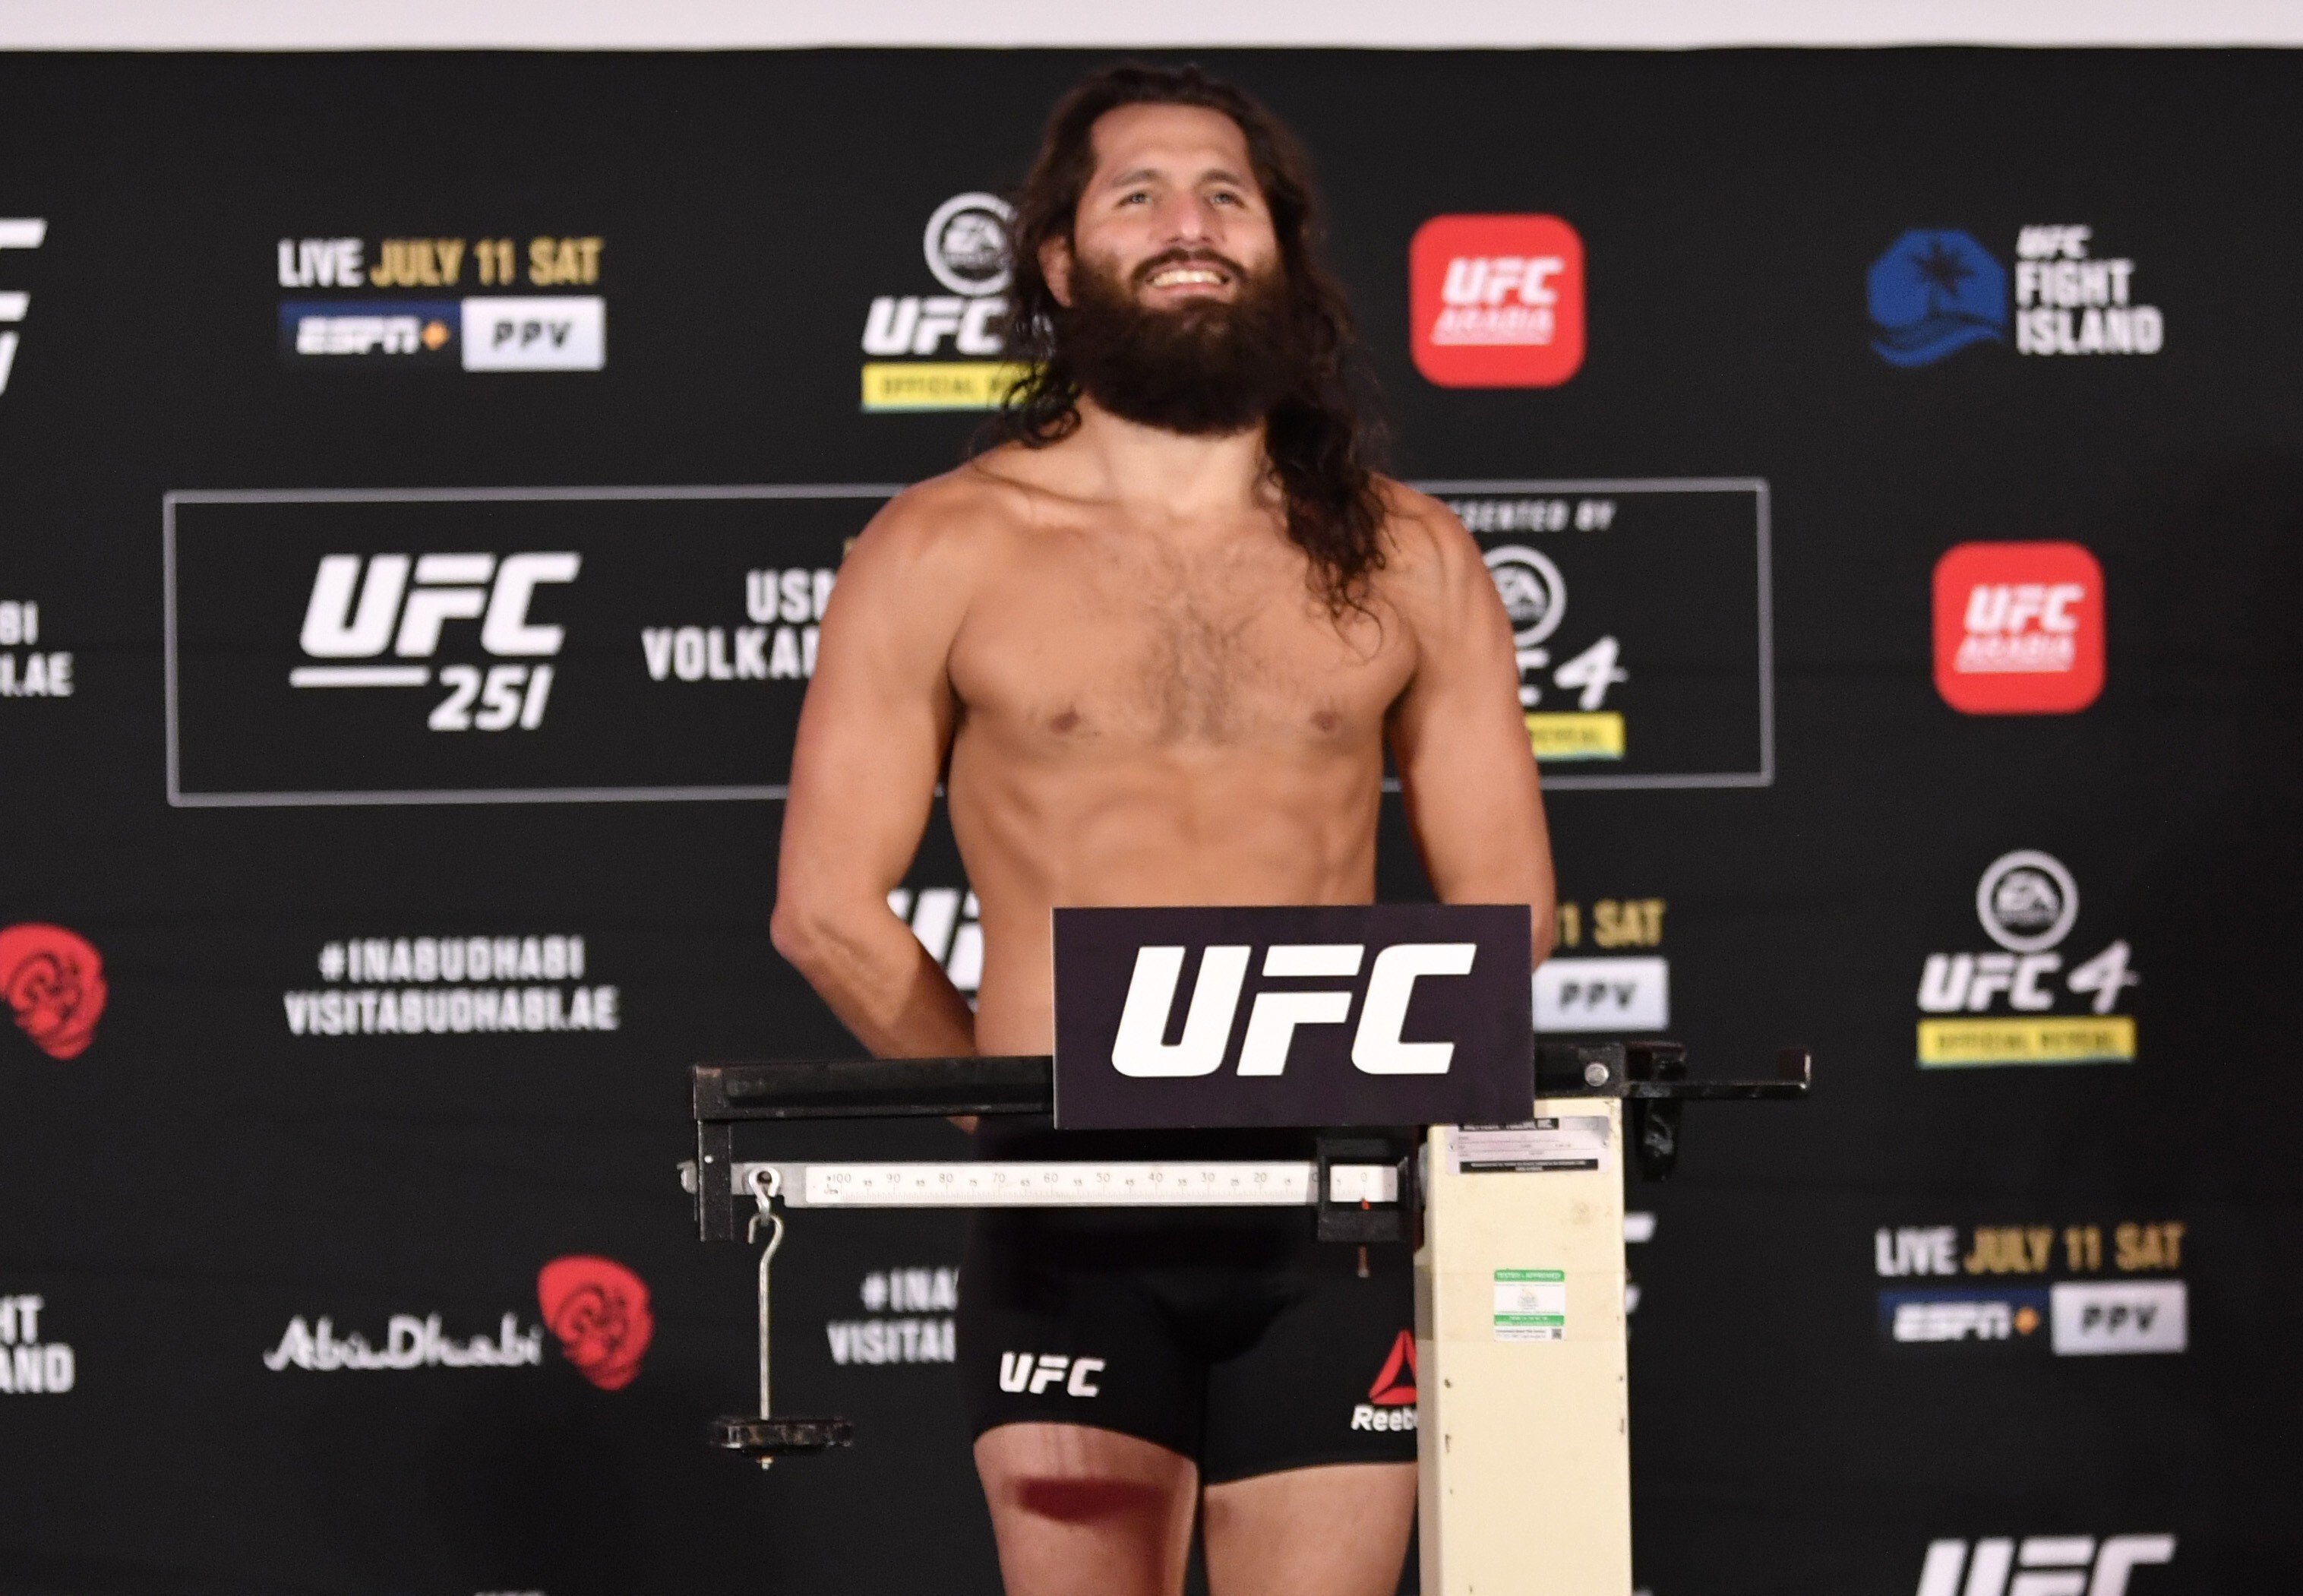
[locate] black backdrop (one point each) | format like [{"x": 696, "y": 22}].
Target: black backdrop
[{"x": 190, "y": 1194}]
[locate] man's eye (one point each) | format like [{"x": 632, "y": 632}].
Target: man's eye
[{"x": 1132, "y": 199}]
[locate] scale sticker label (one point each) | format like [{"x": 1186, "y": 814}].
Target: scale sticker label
[
  {"x": 1530, "y": 1305},
  {"x": 1577, "y": 1141}
]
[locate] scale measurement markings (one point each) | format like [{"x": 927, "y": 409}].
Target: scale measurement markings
[
  {"x": 1065, "y": 1184},
  {"x": 1082, "y": 1184}
]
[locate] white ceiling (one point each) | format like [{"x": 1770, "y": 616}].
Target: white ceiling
[{"x": 1417, "y": 24}]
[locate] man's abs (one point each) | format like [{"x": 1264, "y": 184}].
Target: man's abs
[{"x": 1136, "y": 834}]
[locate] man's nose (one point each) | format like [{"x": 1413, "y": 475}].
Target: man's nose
[{"x": 1188, "y": 219}]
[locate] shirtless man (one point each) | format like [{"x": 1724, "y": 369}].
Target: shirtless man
[{"x": 1154, "y": 645}]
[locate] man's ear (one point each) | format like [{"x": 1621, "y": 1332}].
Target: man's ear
[{"x": 1056, "y": 266}]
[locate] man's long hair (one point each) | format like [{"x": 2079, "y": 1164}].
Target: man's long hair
[{"x": 1316, "y": 440}]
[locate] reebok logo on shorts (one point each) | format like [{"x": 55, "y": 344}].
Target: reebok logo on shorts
[
  {"x": 1021, "y": 1371},
  {"x": 1391, "y": 1399}
]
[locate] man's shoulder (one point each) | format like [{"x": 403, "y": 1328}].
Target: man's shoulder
[
  {"x": 1426, "y": 549},
  {"x": 962, "y": 505},
  {"x": 942, "y": 528}
]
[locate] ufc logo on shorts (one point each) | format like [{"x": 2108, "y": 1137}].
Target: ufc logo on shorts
[
  {"x": 1021, "y": 1371},
  {"x": 1141, "y": 1050},
  {"x": 353, "y": 616},
  {"x": 2041, "y": 1565}
]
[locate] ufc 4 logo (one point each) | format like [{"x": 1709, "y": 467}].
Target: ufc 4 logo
[
  {"x": 1020, "y": 1372},
  {"x": 16, "y": 233},
  {"x": 352, "y": 617},
  {"x": 912, "y": 325},
  {"x": 1140, "y": 1049},
  {"x": 2041, "y": 1565}
]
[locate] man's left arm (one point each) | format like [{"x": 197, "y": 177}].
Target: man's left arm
[{"x": 1457, "y": 734}]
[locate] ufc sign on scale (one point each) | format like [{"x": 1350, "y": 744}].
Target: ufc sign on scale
[{"x": 1390, "y": 1013}]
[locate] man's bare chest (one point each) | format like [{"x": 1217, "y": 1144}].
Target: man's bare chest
[{"x": 1079, "y": 652}]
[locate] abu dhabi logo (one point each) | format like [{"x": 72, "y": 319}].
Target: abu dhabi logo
[
  {"x": 53, "y": 980},
  {"x": 597, "y": 1309},
  {"x": 1934, "y": 292}
]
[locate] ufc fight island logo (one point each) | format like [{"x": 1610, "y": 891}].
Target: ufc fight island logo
[
  {"x": 1383, "y": 1014},
  {"x": 400, "y": 608},
  {"x": 2018, "y": 628},
  {"x": 1497, "y": 301}
]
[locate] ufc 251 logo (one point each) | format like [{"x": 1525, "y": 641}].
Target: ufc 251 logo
[
  {"x": 2041, "y": 1565},
  {"x": 1140, "y": 1049},
  {"x": 400, "y": 607}
]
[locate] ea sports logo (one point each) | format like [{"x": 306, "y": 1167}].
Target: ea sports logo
[
  {"x": 2027, "y": 901},
  {"x": 966, "y": 244},
  {"x": 1534, "y": 593}
]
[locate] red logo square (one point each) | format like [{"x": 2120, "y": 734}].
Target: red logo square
[
  {"x": 1496, "y": 301},
  {"x": 2018, "y": 628}
]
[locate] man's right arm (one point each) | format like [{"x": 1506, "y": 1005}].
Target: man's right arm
[{"x": 873, "y": 733}]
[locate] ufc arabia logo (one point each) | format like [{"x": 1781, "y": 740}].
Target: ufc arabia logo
[
  {"x": 2041, "y": 1565},
  {"x": 360, "y": 607},
  {"x": 1497, "y": 301},
  {"x": 1073, "y": 1376},
  {"x": 1140, "y": 1049},
  {"x": 2018, "y": 627}
]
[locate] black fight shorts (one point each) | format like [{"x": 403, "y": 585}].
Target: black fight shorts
[{"x": 1232, "y": 1337}]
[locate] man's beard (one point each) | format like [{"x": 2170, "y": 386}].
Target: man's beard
[{"x": 1205, "y": 368}]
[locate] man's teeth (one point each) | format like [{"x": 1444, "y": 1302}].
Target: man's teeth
[{"x": 1176, "y": 276}]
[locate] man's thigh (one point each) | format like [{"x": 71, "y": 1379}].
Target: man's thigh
[
  {"x": 1337, "y": 1530},
  {"x": 1078, "y": 1511}
]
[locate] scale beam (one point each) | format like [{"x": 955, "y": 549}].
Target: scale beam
[
  {"x": 1225, "y": 1182},
  {"x": 1651, "y": 1077}
]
